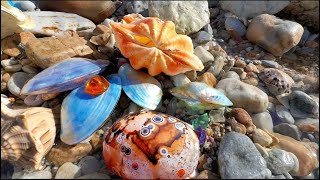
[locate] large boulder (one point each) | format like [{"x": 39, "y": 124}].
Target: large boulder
[
  {"x": 188, "y": 16},
  {"x": 250, "y": 9},
  {"x": 273, "y": 34}
]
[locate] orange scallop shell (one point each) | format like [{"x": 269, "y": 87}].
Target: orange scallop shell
[{"x": 154, "y": 44}]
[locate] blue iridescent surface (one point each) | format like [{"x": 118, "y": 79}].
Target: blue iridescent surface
[
  {"x": 140, "y": 87},
  {"x": 66, "y": 75},
  {"x": 82, "y": 114}
]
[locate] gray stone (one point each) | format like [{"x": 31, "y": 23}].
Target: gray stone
[
  {"x": 16, "y": 82},
  {"x": 180, "y": 79},
  {"x": 231, "y": 74},
  {"x": 305, "y": 36},
  {"x": 243, "y": 95},
  {"x": 284, "y": 114},
  {"x": 288, "y": 130},
  {"x": 188, "y": 16},
  {"x": 203, "y": 54},
  {"x": 37, "y": 175},
  {"x": 280, "y": 161},
  {"x": 270, "y": 64},
  {"x": 29, "y": 69},
  {"x": 250, "y": 9},
  {"x": 13, "y": 68},
  {"x": 68, "y": 171},
  {"x": 89, "y": 164},
  {"x": 236, "y": 26},
  {"x": 275, "y": 35},
  {"x": 302, "y": 105},
  {"x": 284, "y": 99},
  {"x": 207, "y": 28},
  {"x": 217, "y": 115},
  {"x": 95, "y": 176},
  {"x": 281, "y": 176},
  {"x": 238, "y": 70},
  {"x": 263, "y": 120},
  {"x": 203, "y": 37},
  {"x": 238, "y": 158}
]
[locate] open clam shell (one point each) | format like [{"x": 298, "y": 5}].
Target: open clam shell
[
  {"x": 82, "y": 114},
  {"x": 200, "y": 96},
  {"x": 140, "y": 87},
  {"x": 66, "y": 75}
]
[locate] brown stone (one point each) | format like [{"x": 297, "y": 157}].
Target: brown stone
[
  {"x": 9, "y": 45},
  {"x": 62, "y": 153},
  {"x": 275, "y": 35},
  {"x": 45, "y": 52},
  {"x": 243, "y": 117},
  {"x": 208, "y": 78},
  {"x": 240, "y": 63},
  {"x": 307, "y": 158}
]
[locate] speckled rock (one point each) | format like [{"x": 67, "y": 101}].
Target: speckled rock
[
  {"x": 263, "y": 120},
  {"x": 273, "y": 34},
  {"x": 277, "y": 81},
  {"x": 280, "y": 161},
  {"x": 239, "y": 158},
  {"x": 302, "y": 105},
  {"x": 182, "y": 13},
  {"x": 243, "y": 95}
]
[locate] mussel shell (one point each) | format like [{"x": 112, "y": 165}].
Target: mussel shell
[
  {"x": 200, "y": 96},
  {"x": 82, "y": 114},
  {"x": 66, "y": 75},
  {"x": 140, "y": 87}
]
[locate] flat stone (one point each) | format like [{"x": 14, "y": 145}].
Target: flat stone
[
  {"x": 270, "y": 64},
  {"x": 62, "y": 153},
  {"x": 235, "y": 26},
  {"x": 203, "y": 54},
  {"x": 288, "y": 130},
  {"x": 9, "y": 62},
  {"x": 270, "y": 33},
  {"x": 203, "y": 37},
  {"x": 9, "y": 45},
  {"x": 243, "y": 95},
  {"x": 13, "y": 68},
  {"x": 29, "y": 69},
  {"x": 89, "y": 164},
  {"x": 182, "y": 13},
  {"x": 180, "y": 80},
  {"x": 217, "y": 115},
  {"x": 68, "y": 171},
  {"x": 16, "y": 83},
  {"x": 231, "y": 74},
  {"x": 239, "y": 158},
  {"x": 263, "y": 120}
]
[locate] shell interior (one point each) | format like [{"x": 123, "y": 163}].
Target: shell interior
[
  {"x": 82, "y": 114},
  {"x": 140, "y": 87}
]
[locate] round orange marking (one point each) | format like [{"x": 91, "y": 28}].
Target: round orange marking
[
  {"x": 96, "y": 85},
  {"x": 181, "y": 172}
]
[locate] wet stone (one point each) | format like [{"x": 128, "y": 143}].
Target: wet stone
[
  {"x": 68, "y": 171},
  {"x": 288, "y": 130}
]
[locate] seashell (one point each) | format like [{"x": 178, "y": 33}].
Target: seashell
[
  {"x": 153, "y": 44},
  {"x": 77, "y": 122},
  {"x": 200, "y": 96},
  {"x": 28, "y": 138},
  {"x": 140, "y": 87},
  {"x": 277, "y": 81},
  {"x": 66, "y": 75},
  {"x": 8, "y": 111},
  {"x": 151, "y": 145}
]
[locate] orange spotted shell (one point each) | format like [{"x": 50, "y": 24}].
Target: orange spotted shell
[
  {"x": 154, "y": 44},
  {"x": 151, "y": 145}
]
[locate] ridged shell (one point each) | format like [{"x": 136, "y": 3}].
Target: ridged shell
[
  {"x": 200, "y": 96},
  {"x": 82, "y": 114},
  {"x": 66, "y": 75},
  {"x": 140, "y": 87},
  {"x": 154, "y": 44},
  {"x": 26, "y": 140}
]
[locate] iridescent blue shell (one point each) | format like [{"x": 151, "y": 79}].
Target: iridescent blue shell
[
  {"x": 66, "y": 75},
  {"x": 82, "y": 114}
]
